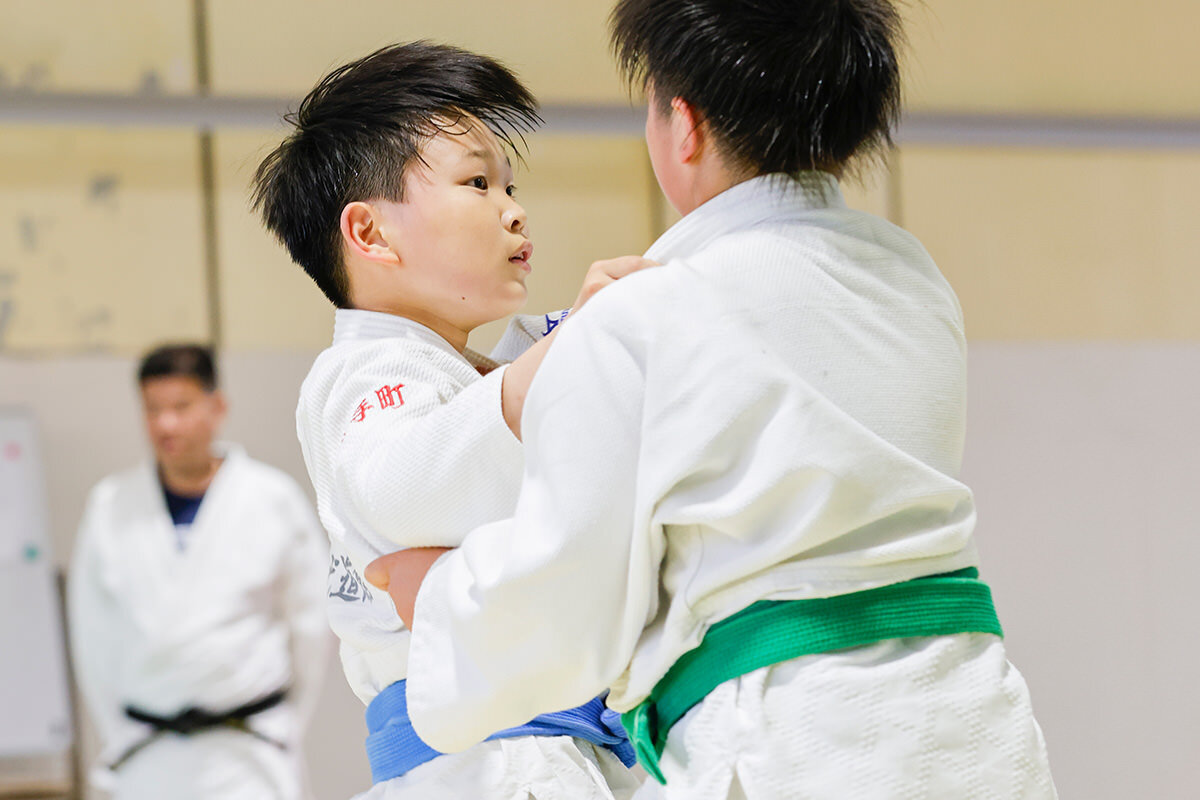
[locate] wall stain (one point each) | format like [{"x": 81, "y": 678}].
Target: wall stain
[
  {"x": 29, "y": 232},
  {"x": 7, "y": 310},
  {"x": 35, "y": 76},
  {"x": 152, "y": 83},
  {"x": 103, "y": 187},
  {"x": 97, "y": 318}
]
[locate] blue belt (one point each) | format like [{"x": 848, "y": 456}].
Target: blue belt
[{"x": 394, "y": 748}]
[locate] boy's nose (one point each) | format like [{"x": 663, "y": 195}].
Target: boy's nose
[{"x": 514, "y": 218}]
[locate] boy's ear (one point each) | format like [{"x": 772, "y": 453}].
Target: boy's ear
[
  {"x": 220, "y": 404},
  {"x": 363, "y": 234},
  {"x": 688, "y": 128}
]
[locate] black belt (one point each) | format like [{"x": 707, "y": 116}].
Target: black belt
[{"x": 194, "y": 720}]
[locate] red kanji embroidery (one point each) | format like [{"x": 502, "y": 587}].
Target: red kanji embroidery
[
  {"x": 390, "y": 396},
  {"x": 361, "y": 412}
]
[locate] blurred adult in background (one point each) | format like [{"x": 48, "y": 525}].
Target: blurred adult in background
[{"x": 196, "y": 600}]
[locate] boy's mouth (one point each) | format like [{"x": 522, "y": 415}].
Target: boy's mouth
[{"x": 522, "y": 256}]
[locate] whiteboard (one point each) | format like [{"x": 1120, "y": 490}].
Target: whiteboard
[{"x": 35, "y": 716}]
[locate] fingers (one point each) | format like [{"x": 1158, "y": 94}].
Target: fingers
[
  {"x": 400, "y": 575},
  {"x": 603, "y": 273},
  {"x": 378, "y": 573},
  {"x": 625, "y": 265}
]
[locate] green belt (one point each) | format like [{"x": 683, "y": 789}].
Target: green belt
[{"x": 772, "y": 631}]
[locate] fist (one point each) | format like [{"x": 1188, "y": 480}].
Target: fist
[
  {"x": 400, "y": 575},
  {"x": 602, "y": 273}
]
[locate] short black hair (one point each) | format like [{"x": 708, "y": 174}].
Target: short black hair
[
  {"x": 187, "y": 360},
  {"x": 359, "y": 130},
  {"x": 784, "y": 85}
]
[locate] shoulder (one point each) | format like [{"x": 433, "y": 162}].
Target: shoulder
[
  {"x": 832, "y": 249},
  {"x": 352, "y": 369},
  {"x": 611, "y": 341},
  {"x": 354, "y": 359},
  {"x": 114, "y": 501},
  {"x": 272, "y": 482},
  {"x": 632, "y": 308},
  {"x": 119, "y": 484}
]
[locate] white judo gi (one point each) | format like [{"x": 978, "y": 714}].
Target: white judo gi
[
  {"x": 406, "y": 445},
  {"x": 775, "y": 413},
  {"x": 235, "y": 616}
]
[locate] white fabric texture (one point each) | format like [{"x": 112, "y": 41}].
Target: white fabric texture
[
  {"x": 906, "y": 719},
  {"x": 415, "y": 467},
  {"x": 775, "y": 413},
  {"x": 235, "y": 616},
  {"x": 523, "y": 768}
]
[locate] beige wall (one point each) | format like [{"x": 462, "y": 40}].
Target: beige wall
[
  {"x": 1054, "y": 244},
  {"x": 94, "y": 222},
  {"x": 559, "y": 48},
  {"x": 121, "y": 46},
  {"x": 1107, "y": 56},
  {"x": 1039, "y": 243}
]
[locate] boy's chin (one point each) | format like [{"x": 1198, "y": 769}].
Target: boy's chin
[
  {"x": 506, "y": 309},
  {"x": 520, "y": 297}
]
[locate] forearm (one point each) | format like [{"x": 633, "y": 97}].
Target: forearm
[
  {"x": 517, "y": 378},
  {"x": 522, "y": 370},
  {"x": 495, "y": 644},
  {"x": 541, "y": 611},
  {"x": 94, "y": 654}
]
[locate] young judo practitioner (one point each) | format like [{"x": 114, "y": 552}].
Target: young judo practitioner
[
  {"x": 740, "y": 508},
  {"x": 395, "y": 194},
  {"x": 196, "y": 597}
]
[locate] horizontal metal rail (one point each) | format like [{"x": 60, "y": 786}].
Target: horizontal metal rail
[{"x": 984, "y": 129}]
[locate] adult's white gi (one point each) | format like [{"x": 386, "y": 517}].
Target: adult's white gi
[
  {"x": 233, "y": 617},
  {"x": 406, "y": 445},
  {"x": 775, "y": 413}
]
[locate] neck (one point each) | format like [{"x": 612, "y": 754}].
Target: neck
[
  {"x": 190, "y": 479},
  {"x": 711, "y": 178}
]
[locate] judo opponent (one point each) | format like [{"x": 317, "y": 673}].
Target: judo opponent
[
  {"x": 740, "y": 507},
  {"x": 395, "y": 194},
  {"x": 196, "y": 606}
]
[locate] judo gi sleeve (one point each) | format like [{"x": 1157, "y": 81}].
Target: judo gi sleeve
[
  {"x": 423, "y": 473},
  {"x": 523, "y": 332},
  {"x": 543, "y": 611},
  {"x": 96, "y": 624}
]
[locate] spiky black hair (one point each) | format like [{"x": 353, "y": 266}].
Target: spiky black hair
[
  {"x": 187, "y": 360},
  {"x": 785, "y": 85},
  {"x": 360, "y": 129}
]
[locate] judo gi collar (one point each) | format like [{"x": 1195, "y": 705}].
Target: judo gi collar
[
  {"x": 747, "y": 203},
  {"x": 357, "y": 325}
]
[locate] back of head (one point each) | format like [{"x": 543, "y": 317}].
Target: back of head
[
  {"x": 360, "y": 129},
  {"x": 180, "y": 360},
  {"x": 784, "y": 85}
]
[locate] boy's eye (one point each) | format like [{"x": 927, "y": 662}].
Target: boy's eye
[
  {"x": 479, "y": 182},
  {"x": 512, "y": 191}
]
